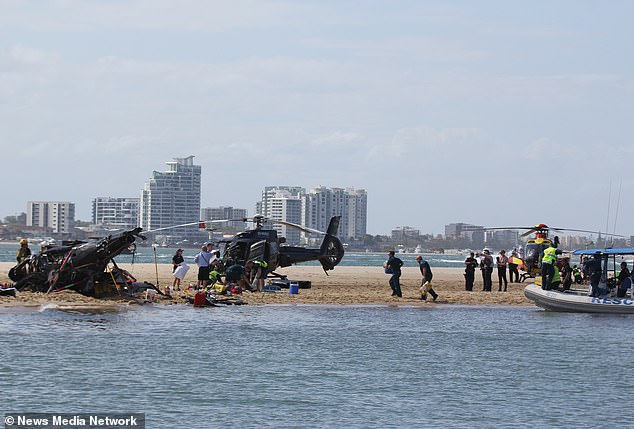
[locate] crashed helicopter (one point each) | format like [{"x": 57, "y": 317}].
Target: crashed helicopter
[{"x": 82, "y": 266}]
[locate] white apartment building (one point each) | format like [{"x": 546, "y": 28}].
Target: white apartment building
[
  {"x": 284, "y": 204},
  {"x": 172, "y": 198},
  {"x": 321, "y": 204},
  {"x": 58, "y": 216},
  {"x": 115, "y": 212},
  {"x": 316, "y": 208}
]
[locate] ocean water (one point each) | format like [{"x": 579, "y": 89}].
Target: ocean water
[
  {"x": 322, "y": 366},
  {"x": 145, "y": 255}
]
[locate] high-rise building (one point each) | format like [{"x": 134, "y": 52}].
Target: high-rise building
[
  {"x": 316, "y": 208},
  {"x": 321, "y": 204},
  {"x": 172, "y": 197},
  {"x": 282, "y": 203},
  {"x": 263, "y": 207},
  {"x": 219, "y": 213},
  {"x": 58, "y": 216},
  {"x": 115, "y": 212}
]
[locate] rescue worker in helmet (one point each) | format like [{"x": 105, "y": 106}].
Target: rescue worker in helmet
[
  {"x": 23, "y": 252},
  {"x": 549, "y": 261}
]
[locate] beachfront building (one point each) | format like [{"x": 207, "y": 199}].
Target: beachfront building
[
  {"x": 321, "y": 204},
  {"x": 172, "y": 198},
  {"x": 282, "y": 203},
  {"x": 220, "y": 213},
  {"x": 316, "y": 208},
  {"x": 56, "y": 216},
  {"x": 111, "y": 212}
]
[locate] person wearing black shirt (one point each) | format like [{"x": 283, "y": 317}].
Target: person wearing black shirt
[
  {"x": 469, "y": 271},
  {"x": 393, "y": 265},
  {"x": 177, "y": 259}
]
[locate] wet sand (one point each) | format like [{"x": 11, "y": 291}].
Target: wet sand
[{"x": 344, "y": 285}]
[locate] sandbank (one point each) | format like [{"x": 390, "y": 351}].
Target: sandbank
[{"x": 343, "y": 285}]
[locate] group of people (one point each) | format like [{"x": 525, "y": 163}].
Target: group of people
[
  {"x": 487, "y": 264},
  {"x": 214, "y": 274},
  {"x": 599, "y": 286},
  {"x": 393, "y": 266}
]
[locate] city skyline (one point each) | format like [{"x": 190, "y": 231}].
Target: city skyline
[{"x": 492, "y": 112}]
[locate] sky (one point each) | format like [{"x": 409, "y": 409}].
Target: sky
[{"x": 493, "y": 113}]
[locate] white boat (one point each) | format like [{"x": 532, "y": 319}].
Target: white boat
[{"x": 578, "y": 300}]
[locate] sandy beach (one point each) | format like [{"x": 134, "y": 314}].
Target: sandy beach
[{"x": 344, "y": 286}]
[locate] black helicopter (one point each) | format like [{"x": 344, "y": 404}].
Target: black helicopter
[
  {"x": 266, "y": 245},
  {"x": 82, "y": 266}
]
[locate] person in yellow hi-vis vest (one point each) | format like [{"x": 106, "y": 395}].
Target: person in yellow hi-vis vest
[{"x": 549, "y": 261}]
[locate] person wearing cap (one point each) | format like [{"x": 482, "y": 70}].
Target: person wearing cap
[
  {"x": 469, "y": 271},
  {"x": 203, "y": 260},
  {"x": 23, "y": 252},
  {"x": 486, "y": 265},
  {"x": 177, "y": 260},
  {"x": 393, "y": 266},
  {"x": 425, "y": 284}
]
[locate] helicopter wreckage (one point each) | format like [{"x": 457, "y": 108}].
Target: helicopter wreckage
[{"x": 85, "y": 267}]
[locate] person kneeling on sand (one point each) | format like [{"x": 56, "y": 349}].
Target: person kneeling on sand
[{"x": 425, "y": 286}]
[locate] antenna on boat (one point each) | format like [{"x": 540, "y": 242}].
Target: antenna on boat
[
  {"x": 616, "y": 214},
  {"x": 607, "y": 218}
]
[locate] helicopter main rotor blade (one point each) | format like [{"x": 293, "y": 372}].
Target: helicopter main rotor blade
[
  {"x": 294, "y": 225},
  {"x": 586, "y": 231},
  {"x": 173, "y": 226}
]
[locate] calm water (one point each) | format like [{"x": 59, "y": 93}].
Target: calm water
[
  {"x": 323, "y": 366},
  {"x": 164, "y": 256}
]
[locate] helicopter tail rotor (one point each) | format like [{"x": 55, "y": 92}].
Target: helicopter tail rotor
[{"x": 331, "y": 250}]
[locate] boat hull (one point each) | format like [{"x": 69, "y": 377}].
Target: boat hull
[{"x": 577, "y": 302}]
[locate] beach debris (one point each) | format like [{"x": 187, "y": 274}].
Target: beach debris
[
  {"x": 6, "y": 290},
  {"x": 85, "y": 267}
]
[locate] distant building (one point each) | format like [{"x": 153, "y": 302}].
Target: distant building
[
  {"x": 219, "y": 213},
  {"x": 404, "y": 233},
  {"x": 503, "y": 238},
  {"x": 321, "y": 204},
  {"x": 115, "y": 212},
  {"x": 463, "y": 230},
  {"x": 56, "y": 216},
  {"x": 172, "y": 197},
  {"x": 316, "y": 208},
  {"x": 263, "y": 207}
]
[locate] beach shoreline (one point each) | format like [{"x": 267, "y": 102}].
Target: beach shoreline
[{"x": 343, "y": 286}]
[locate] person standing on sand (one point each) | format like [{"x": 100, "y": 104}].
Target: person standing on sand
[
  {"x": 487, "y": 269},
  {"x": 469, "y": 271},
  {"x": 203, "y": 260},
  {"x": 177, "y": 259},
  {"x": 513, "y": 273},
  {"x": 393, "y": 266},
  {"x": 425, "y": 284},
  {"x": 501, "y": 261}
]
